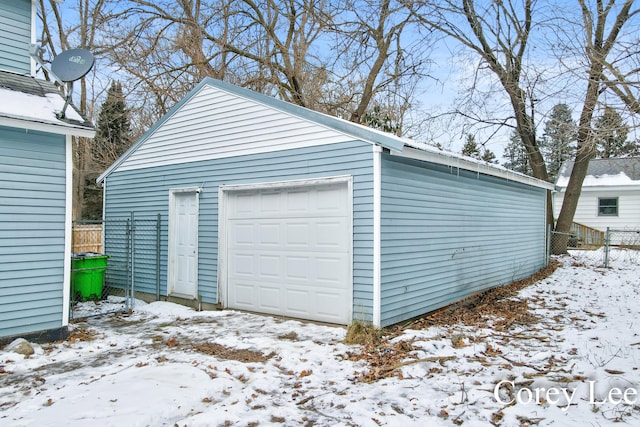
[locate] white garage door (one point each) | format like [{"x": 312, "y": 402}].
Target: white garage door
[{"x": 288, "y": 252}]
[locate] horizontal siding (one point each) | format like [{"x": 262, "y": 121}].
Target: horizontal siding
[
  {"x": 446, "y": 234},
  {"x": 587, "y": 209},
  {"x": 36, "y": 321},
  {"x": 15, "y": 36},
  {"x": 146, "y": 193},
  {"x": 32, "y": 231},
  {"x": 214, "y": 124}
]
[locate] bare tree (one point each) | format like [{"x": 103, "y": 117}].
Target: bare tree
[
  {"x": 622, "y": 71},
  {"x": 379, "y": 53},
  {"x": 341, "y": 59},
  {"x": 601, "y": 27},
  {"x": 266, "y": 46},
  {"x": 498, "y": 33},
  {"x": 58, "y": 33}
]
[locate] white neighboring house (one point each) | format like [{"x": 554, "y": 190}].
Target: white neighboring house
[{"x": 610, "y": 194}]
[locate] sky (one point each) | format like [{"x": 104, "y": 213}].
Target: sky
[
  {"x": 563, "y": 351},
  {"x": 453, "y": 70}
]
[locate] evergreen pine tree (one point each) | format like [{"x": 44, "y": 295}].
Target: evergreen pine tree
[
  {"x": 470, "y": 147},
  {"x": 611, "y": 136},
  {"x": 113, "y": 138},
  {"x": 515, "y": 155},
  {"x": 488, "y": 156},
  {"x": 559, "y": 138},
  {"x": 376, "y": 118},
  {"x": 113, "y": 133}
]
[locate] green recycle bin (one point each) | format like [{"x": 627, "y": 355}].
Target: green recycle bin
[{"x": 87, "y": 275}]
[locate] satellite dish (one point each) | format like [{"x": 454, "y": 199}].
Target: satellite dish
[
  {"x": 69, "y": 66},
  {"x": 72, "y": 64}
]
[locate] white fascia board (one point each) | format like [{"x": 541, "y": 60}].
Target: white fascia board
[
  {"x": 46, "y": 127},
  {"x": 603, "y": 188},
  {"x": 472, "y": 166}
]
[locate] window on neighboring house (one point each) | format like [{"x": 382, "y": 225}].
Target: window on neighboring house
[{"x": 607, "y": 206}]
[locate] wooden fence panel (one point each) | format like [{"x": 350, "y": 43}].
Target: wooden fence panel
[
  {"x": 87, "y": 238},
  {"x": 587, "y": 237}
]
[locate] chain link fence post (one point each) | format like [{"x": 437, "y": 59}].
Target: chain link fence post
[
  {"x": 547, "y": 254},
  {"x": 127, "y": 284},
  {"x": 158, "y": 223},
  {"x": 133, "y": 260},
  {"x": 606, "y": 248}
]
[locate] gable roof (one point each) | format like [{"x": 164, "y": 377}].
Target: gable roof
[
  {"x": 395, "y": 144},
  {"x": 33, "y": 104},
  {"x": 605, "y": 172}
]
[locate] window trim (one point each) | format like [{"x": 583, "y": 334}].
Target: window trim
[{"x": 600, "y": 206}]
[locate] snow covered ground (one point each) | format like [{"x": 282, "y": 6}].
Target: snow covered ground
[{"x": 572, "y": 360}]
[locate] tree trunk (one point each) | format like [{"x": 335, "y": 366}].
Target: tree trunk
[
  {"x": 570, "y": 202},
  {"x": 526, "y": 129},
  {"x": 585, "y": 152}
]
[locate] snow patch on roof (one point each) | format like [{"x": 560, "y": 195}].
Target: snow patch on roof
[
  {"x": 620, "y": 179},
  {"x": 25, "y": 106},
  {"x": 608, "y": 172}
]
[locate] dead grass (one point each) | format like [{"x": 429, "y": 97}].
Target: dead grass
[
  {"x": 223, "y": 352},
  {"x": 498, "y": 305},
  {"x": 382, "y": 358},
  {"x": 82, "y": 334},
  {"x": 363, "y": 334},
  {"x": 291, "y": 336}
]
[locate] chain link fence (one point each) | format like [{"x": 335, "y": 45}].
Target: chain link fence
[
  {"x": 613, "y": 247},
  {"x": 103, "y": 283},
  {"x": 622, "y": 247}
]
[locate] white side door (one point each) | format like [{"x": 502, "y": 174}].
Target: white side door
[{"x": 183, "y": 244}]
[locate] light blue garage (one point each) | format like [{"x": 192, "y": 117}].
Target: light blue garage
[{"x": 273, "y": 208}]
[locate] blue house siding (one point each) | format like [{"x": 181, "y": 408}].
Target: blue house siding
[
  {"x": 145, "y": 191},
  {"x": 32, "y": 231},
  {"x": 15, "y": 36},
  {"x": 448, "y": 233}
]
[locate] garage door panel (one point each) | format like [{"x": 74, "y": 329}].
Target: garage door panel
[
  {"x": 243, "y": 265},
  {"x": 297, "y": 302},
  {"x": 329, "y": 234},
  {"x": 269, "y": 233},
  {"x": 247, "y": 266},
  {"x": 290, "y": 234},
  {"x": 243, "y": 234},
  {"x": 270, "y": 202},
  {"x": 247, "y": 233},
  {"x": 290, "y": 250},
  {"x": 298, "y": 234},
  {"x": 297, "y": 268},
  {"x": 297, "y": 201},
  {"x": 243, "y": 204},
  {"x": 331, "y": 201},
  {"x": 270, "y": 266},
  {"x": 307, "y": 201},
  {"x": 269, "y": 299},
  {"x": 330, "y": 305},
  {"x": 244, "y": 295},
  {"x": 330, "y": 271}
]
